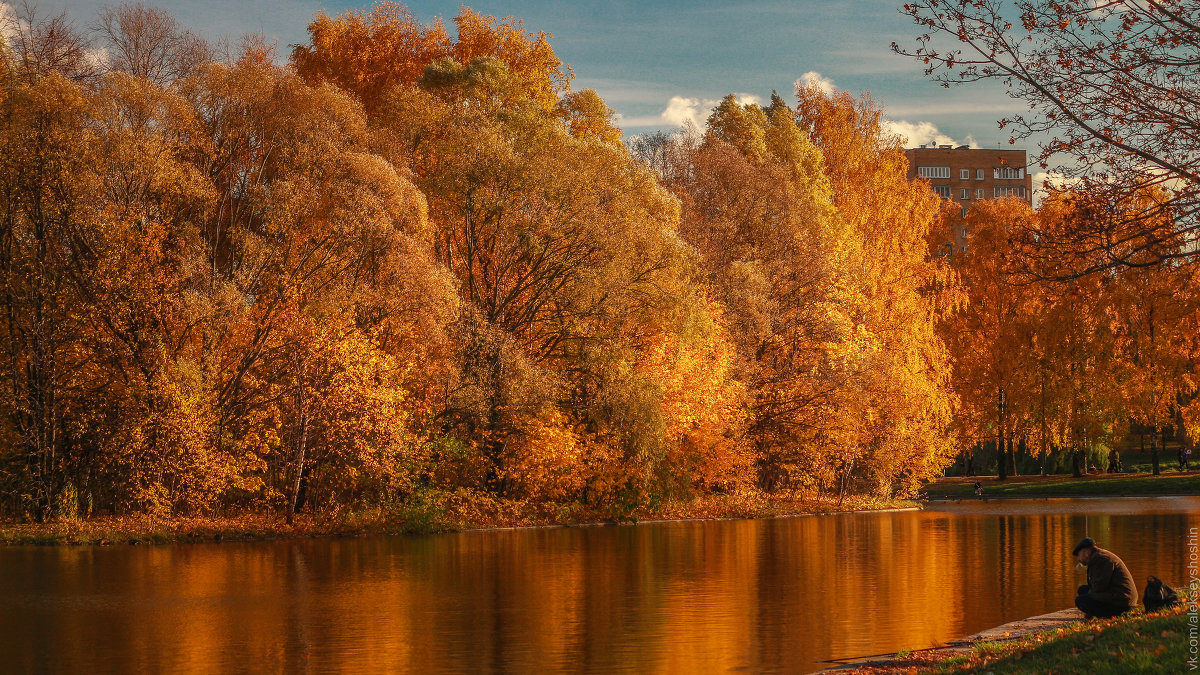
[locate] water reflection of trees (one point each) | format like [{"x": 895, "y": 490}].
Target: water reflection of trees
[{"x": 769, "y": 595}]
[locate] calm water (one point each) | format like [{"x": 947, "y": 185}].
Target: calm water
[{"x": 757, "y": 596}]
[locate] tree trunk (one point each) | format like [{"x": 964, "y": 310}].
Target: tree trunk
[
  {"x": 1154, "y": 450},
  {"x": 1045, "y": 440},
  {"x": 845, "y": 481},
  {"x": 1087, "y": 449},
  {"x": 1012, "y": 457},
  {"x": 1078, "y": 459},
  {"x": 301, "y": 448},
  {"x": 1001, "y": 466}
]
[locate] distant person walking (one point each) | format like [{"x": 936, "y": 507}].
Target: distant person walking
[
  {"x": 1114, "y": 462},
  {"x": 1110, "y": 589}
]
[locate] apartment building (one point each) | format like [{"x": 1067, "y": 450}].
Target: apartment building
[{"x": 967, "y": 175}]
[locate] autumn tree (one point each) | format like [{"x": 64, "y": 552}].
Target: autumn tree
[
  {"x": 37, "y": 45},
  {"x": 43, "y": 158},
  {"x": 148, "y": 42},
  {"x": 207, "y": 244},
  {"x": 1114, "y": 84},
  {"x": 368, "y": 53},
  {"x": 1076, "y": 345},
  {"x": 988, "y": 333},
  {"x": 573, "y": 291},
  {"x": 822, "y": 336},
  {"x": 1151, "y": 306},
  {"x": 905, "y": 414},
  {"x": 313, "y": 243},
  {"x": 762, "y": 219}
]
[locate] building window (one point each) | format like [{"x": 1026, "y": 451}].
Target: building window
[
  {"x": 1007, "y": 172},
  {"x": 933, "y": 171},
  {"x": 964, "y": 193},
  {"x": 964, "y": 212},
  {"x": 978, "y": 193},
  {"x": 978, "y": 174},
  {"x": 1009, "y": 191},
  {"x": 942, "y": 191},
  {"x": 964, "y": 174}
]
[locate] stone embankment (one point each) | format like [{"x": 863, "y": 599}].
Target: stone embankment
[{"x": 1015, "y": 630}]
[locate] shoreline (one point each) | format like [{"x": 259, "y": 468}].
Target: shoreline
[
  {"x": 113, "y": 530},
  {"x": 110, "y": 530},
  {"x": 1061, "y": 641},
  {"x": 1004, "y": 633}
]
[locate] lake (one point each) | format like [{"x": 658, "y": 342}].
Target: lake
[{"x": 775, "y": 595}]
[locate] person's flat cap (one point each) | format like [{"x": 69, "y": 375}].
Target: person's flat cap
[{"x": 1086, "y": 542}]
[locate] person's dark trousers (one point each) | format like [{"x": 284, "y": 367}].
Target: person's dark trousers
[{"x": 1092, "y": 607}]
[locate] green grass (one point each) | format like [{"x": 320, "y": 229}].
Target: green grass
[
  {"x": 1132, "y": 644},
  {"x": 1066, "y": 486}
]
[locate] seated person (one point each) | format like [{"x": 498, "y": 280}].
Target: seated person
[{"x": 1110, "y": 589}]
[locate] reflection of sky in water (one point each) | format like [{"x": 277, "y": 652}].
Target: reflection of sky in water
[{"x": 776, "y": 595}]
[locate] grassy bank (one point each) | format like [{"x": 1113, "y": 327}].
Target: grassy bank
[
  {"x": 1133, "y": 644},
  {"x": 441, "y": 512},
  {"x": 1115, "y": 485}
]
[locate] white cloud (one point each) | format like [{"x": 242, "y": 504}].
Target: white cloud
[
  {"x": 682, "y": 111},
  {"x": 9, "y": 24},
  {"x": 97, "y": 58},
  {"x": 814, "y": 79},
  {"x": 745, "y": 99},
  {"x": 913, "y": 134},
  {"x": 628, "y": 121},
  {"x": 1044, "y": 180}
]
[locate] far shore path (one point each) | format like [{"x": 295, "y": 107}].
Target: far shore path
[{"x": 1169, "y": 483}]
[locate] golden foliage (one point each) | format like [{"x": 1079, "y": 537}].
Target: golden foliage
[{"x": 419, "y": 277}]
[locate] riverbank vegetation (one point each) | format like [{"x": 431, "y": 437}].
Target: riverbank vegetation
[
  {"x": 409, "y": 276},
  {"x": 428, "y": 514},
  {"x": 1136, "y": 643},
  {"x": 406, "y": 269}
]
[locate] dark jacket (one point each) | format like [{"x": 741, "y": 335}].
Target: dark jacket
[{"x": 1109, "y": 579}]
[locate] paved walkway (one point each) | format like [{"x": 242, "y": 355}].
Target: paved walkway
[{"x": 886, "y": 663}]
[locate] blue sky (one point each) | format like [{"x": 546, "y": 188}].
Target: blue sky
[{"x": 658, "y": 61}]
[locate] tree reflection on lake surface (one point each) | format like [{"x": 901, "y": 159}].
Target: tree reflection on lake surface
[{"x": 759, "y": 595}]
